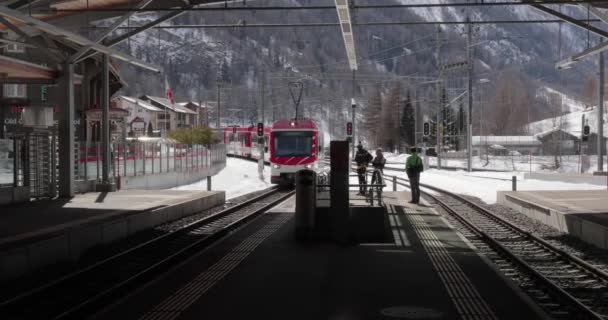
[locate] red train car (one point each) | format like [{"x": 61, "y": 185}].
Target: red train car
[
  {"x": 243, "y": 141},
  {"x": 294, "y": 145}
]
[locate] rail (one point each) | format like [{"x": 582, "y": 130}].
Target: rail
[{"x": 578, "y": 302}]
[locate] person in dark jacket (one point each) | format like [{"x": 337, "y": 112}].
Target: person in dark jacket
[
  {"x": 413, "y": 168},
  {"x": 362, "y": 159},
  {"x": 378, "y": 163}
]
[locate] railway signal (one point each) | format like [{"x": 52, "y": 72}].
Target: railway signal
[
  {"x": 349, "y": 128},
  {"x": 260, "y": 129},
  {"x": 427, "y": 129},
  {"x": 586, "y": 131}
]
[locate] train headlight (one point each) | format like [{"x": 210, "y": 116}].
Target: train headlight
[
  {"x": 276, "y": 166},
  {"x": 308, "y": 166}
]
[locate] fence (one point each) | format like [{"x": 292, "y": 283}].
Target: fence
[{"x": 146, "y": 158}]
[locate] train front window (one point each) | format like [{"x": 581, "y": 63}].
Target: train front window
[{"x": 292, "y": 143}]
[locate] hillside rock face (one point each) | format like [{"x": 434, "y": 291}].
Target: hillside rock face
[{"x": 195, "y": 59}]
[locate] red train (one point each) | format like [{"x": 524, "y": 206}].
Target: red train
[
  {"x": 243, "y": 141},
  {"x": 292, "y": 145}
]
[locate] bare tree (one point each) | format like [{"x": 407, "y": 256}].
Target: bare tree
[
  {"x": 510, "y": 104},
  {"x": 372, "y": 115},
  {"x": 590, "y": 91}
]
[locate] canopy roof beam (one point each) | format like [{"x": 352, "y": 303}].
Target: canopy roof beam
[
  {"x": 73, "y": 37},
  {"x": 114, "y": 26}
]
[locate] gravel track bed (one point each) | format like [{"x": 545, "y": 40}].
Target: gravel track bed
[
  {"x": 8, "y": 289},
  {"x": 572, "y": 245},
  {"x": 587, "y": 288}
]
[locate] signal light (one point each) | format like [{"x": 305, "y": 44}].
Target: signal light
[
  {"x": 427, "y": 129},
  {"x": 586, "y": 131},
  {"x": 349, "y": 128},
  {"x": 260, "y": 129}
]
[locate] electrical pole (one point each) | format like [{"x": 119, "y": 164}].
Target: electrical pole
[
  {"x": 600, "y": 116},
  {"x": 219, "y": 85},
  {"x": 261, "y": 139},
  {"x": 469, "y": 114},
  {"x": 354, "y": 106},
  {"x": 438, "y": 126}
]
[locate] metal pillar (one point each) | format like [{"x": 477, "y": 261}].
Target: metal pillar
[
  {"x": 438, "y": 119},
  {"x": 469, "y": 114},
  {"x": 261, "y": 139},
  {"x": 340, "y": 167},
  {"x": 600, "y": 116},
  {"x": 66, "y": 133},
  {"x": 354, "y": 105},
  {"x": 105, "y": 119},
  {"x": 218, "y": 106}
]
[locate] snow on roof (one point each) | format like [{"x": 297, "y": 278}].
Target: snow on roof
[
  {"x": 183, "y": 104},
  {"x": 551, "y": 131},
  {"x": 506, "y": 140},
  {"x": 142, "y": 103},
  {"x": 167, "y": 104}
]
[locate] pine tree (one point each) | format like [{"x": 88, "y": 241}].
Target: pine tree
[
  {"x": 408, "y": 122},
  {"x": 461, "y": 127},
  {"x": 150, "y": 130}
]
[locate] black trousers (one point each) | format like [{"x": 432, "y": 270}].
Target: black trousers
[
  {"x": 415, "y": 185},
  {"x": 362, "y": 183}
]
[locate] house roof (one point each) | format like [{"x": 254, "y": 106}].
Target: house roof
[
  {"x": 142, "y": 103},
  {"x": 506, "y": 140},
  {"x": 183, "y": 104},
  {"x": 167, "y": 104},
  {"x": 20, "y": 69},
  {"x": 545, "y": 133}
]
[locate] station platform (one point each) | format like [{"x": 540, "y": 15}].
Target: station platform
[
  {"x": 581, "y": 213},
  {"x": 426, "y": 271},
  {"x": 39, "y": 233}
]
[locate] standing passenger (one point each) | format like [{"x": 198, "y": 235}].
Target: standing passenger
[
  {"x": 362, "y": 159},
  {"x": 413, "y": 167}
]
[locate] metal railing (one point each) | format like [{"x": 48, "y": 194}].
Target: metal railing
[
  {"x": 323, "y": 187},
  {"x": 145, "y": 158}
]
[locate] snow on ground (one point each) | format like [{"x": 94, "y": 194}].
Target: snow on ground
[
  {"x": 238, "y": 178},
  {"x": 479, "y": 184},
  {"x": 522, "y": 163}
]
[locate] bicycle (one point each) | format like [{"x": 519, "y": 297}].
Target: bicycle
[{"x": 377, "y": 183}]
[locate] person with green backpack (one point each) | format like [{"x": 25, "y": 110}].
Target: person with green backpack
[{"x": 413, "y": 168}]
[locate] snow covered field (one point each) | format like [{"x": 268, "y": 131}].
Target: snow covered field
[
  {"x": 523, "y": 163},
  {"x": 238, "y": 178},
  {"x": 241, "y": 177},
  {"x": 480, "y": 184}
]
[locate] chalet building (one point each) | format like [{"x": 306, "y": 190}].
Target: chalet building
[
  {"x": 172, "y": 115},
  {"x": 202, "y": 117},
  {"x": 142, "y": 118},
  {"x": 558, "y": 141}
]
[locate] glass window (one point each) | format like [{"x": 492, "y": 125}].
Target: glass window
[
  {"x": 292, "y": 143},
  {"x": 15, "y": 47},
  {"x": 15, "y": 90},
  {"x": 7, "y": 155}
]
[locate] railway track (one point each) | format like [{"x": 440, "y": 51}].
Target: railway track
[
  {"x": 86, "y": 290},
  {"x": 565, "y": 286}
]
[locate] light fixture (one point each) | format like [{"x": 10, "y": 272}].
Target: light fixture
[{"x": 347, "y": 32}]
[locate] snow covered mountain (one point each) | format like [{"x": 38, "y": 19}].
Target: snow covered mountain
[{"x": 195, "y": 58}]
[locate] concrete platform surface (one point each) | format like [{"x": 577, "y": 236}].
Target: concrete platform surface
[
  {"x": 567, "y": 177},
  {"x": 581, "y": 213},
  {"x": 261, "y": 272},
  {"x": 37, "y": 233}
]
